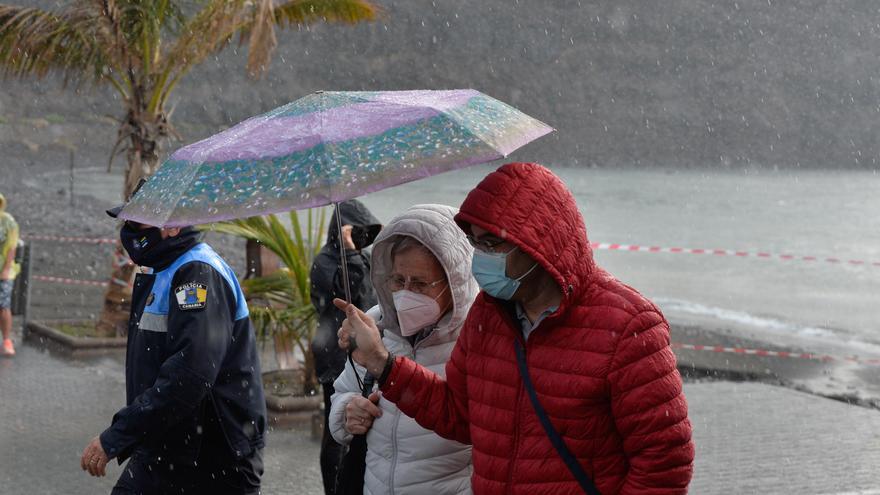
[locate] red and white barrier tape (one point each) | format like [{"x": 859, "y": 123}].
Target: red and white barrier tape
[
  {"x": 70, "y": 281},
  {"x": 594, "y": 245},
  {"x": 675, "y": 345},
  {"x": 780, "y": 354},
  {"x": 86, "y": 240},
  {"x": 725, "y": 252}
]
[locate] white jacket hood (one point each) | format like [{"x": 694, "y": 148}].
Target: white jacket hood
[
  {"x": 402, "y": 457},
  {"x": 434, "y": 226}
]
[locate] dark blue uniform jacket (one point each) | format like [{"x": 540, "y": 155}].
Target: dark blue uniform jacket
[{"x": 192, "y": 357}]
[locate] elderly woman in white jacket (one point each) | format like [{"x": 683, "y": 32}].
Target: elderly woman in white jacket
[{"x": 422, "y": 276}]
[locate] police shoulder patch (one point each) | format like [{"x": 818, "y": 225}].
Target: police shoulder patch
[{"x": 191, "y": 295}]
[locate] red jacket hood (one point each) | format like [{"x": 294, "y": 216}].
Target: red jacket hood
[{"x": 528, "y": 205}]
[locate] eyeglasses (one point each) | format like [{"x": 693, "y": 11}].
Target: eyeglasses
[
  {"x": 487, "y": 245},
  {"x": 399, "y": 282}
]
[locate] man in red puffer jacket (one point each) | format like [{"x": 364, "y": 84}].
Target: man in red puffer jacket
[{"x": 597, "y": 353}]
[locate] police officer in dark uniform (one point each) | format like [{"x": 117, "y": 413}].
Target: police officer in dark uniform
[{"x": 195, "y": 417}]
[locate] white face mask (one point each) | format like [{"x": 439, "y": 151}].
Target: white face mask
[{"x": 415, "y": 311}]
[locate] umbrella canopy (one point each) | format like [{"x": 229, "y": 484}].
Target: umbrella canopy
[{"x": 328, "y": 147}]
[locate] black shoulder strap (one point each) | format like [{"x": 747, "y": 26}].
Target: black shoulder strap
[{"x": 582, "y": 478}]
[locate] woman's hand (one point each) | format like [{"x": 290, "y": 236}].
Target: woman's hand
[
  {"x": 360, "y": 413},
  {"x": 368, "y": 350},
  {"x": 347, "y": 241}
]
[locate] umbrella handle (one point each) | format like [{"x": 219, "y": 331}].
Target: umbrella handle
[{"x": 369, "y": 381}]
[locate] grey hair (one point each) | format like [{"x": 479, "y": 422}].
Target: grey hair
[{"x": 405, "y": 243}]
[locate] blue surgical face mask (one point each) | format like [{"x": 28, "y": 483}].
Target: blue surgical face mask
[{"x": 490, "y": 270}]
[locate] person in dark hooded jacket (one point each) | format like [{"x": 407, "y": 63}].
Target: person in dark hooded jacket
[{"x": 359, "y": 228}]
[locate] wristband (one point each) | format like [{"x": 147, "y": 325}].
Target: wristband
[{"x": 389, "y": 363}]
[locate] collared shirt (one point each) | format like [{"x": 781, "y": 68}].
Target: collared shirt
[
  {"x": 426, "y": 332},
  {"x": 525, "y": 324}
]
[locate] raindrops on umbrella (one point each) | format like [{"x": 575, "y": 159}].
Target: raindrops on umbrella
[{"x": 328, "y": 147}]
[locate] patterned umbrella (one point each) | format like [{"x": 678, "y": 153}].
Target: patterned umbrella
[{"x": 328, "y": 147}]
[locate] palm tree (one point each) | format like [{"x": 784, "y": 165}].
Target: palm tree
[
  {"x": 141, "y": 49},
  {"x": 286, "y": 314}
]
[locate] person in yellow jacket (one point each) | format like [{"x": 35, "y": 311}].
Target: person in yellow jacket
[{"x": 8, "y": 242}]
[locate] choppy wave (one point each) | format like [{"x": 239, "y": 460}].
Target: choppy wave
[{"x": 768, "y": 326}]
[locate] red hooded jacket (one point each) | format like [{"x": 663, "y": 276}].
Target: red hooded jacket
[{"x": 601, "y": 364}]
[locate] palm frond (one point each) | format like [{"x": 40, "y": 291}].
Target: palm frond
[
  {"x": 308, "y": 11},
  {"x": 134, "y": 31},
  {"x": 280, "y": 303},
  {"x": 34, "y": 42},
  {"x": 262, "y": 40},
  {"x": 277, "y": 289},
  {"x": 295, "y": 322},
  {"x": 201, "y": 35},
  {"x": 260, "y": 31},
  {"x": 296, "y": 248},
  {"x": 209, "y": 30}
]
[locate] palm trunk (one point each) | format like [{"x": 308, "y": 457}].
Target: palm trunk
[
  {"x": 143, "y": 160},
  {"x": 117, "y": 299}
]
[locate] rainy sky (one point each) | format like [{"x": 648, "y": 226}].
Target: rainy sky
[{"x": 755, "y": 83}]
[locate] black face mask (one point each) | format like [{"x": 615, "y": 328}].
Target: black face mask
[
  {"x": 147, "y": 248},
  {"x": 140, "y": 243}
]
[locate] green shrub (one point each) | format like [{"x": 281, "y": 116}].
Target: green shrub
[{"x": 280, "y": 304}]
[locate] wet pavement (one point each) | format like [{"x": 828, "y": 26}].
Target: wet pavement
[
  {"x": 50, "y": 407},
  {"x": 751, "y": 437},
  {"x": 724, "y": 353},
  {"x": 754, "y": 438}
]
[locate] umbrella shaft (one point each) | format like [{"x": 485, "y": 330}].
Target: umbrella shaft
[{"x": 342, "y": 258}]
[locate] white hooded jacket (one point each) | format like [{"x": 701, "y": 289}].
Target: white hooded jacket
[{"x": 402, "y": 457}]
